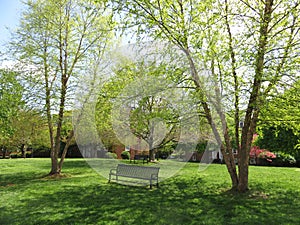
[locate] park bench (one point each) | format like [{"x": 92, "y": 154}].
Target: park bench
[
  {"x": 145, "y": 158},
  {"x": 138, "y": 172}
]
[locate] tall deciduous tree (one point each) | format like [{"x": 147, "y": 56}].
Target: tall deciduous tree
[
  {"x": 30, "y": 130},
  {"x": 144, "y": 109},
  {"x": 55, "y": 42},
  {"x": 10, "y": 104},
  {"x": 146, "y": 119},
  {"x": 248, "y": 47}
]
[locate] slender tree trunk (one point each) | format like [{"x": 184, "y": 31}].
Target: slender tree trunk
[
  {"x": 23, "y": 150},
  {"x": 253, "y": 109},
  {"x": 53, "y": 156},
  {"x": 64, "y": 153},
  {"x": 235, "y": 77},
  {"x": 4, "y": 152},
  {"x": 56, "y": 166},
  {"x": 63, "y": 65},
  {"x": 225, "y": 150},
  {"x": 151, "y": 149}
]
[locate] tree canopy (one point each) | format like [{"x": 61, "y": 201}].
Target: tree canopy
[
  {"x": 279, "y": 121},
  {"x": 249, "y": 49},
  {"x": 11, "y": 102},
  {"x": 56, "y": 42}
]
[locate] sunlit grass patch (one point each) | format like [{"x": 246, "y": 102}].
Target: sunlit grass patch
[{"x": 189, "y": 196}]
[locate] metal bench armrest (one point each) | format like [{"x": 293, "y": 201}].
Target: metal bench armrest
[
  {"x": 154, "y": 176},
  {"x": 113, "y": 171}
]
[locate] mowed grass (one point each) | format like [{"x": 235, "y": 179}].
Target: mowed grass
[{"x": 82, "y": 196}]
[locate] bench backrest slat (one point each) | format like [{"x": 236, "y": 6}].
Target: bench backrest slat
[{"x": 137, "y": 171}]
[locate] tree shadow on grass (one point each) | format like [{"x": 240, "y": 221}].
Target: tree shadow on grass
[
  {"x": 12, "y": 179},
  {"x": 178, "y": 200},
  {"x": 73, "y": 163}
]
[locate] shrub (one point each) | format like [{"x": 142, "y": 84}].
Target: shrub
[
  {"x": 14, "y": 155},
  {"x": 267, "y": 155},
  {"x": 163, "y": 153},
  {"x": 125, "y": 155},
  {"x": 28, "y": 154},
  {"x": 257, "y": 152},
  {"x": 111, "y": 155},
  {"x": 41, "y": 153},
  {"x": 284, "y": 159}
]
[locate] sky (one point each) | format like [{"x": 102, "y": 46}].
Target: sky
[
  {"x": 9, "y": 17},
  {"x": 10, "y": 11}
]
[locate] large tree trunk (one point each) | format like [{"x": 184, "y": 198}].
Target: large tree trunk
[
  {"x": 151, "y": 140},
  {"x": 243, "y": 165},
  {"x": 151, "y": 155},
  {"x": 54, "y": 165},
  {"x": 151, "y": 150}
]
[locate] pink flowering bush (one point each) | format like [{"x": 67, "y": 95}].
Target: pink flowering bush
[{"x": 257, "y": 152}]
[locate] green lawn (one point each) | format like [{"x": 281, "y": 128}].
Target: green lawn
[{"x": 189, "y": 197}]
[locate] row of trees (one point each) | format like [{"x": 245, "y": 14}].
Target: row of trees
[
  {"x": 248, "y": 51},
  {"x": 19, "y": 125},
  {"x": 279, "y": 123}
]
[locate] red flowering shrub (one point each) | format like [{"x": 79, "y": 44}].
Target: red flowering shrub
[{"x": 256, "y": 152}]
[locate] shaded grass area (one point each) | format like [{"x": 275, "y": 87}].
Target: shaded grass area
[{"x": 189, "y": 197}]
